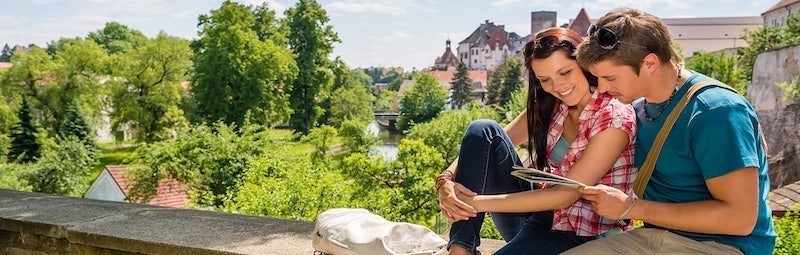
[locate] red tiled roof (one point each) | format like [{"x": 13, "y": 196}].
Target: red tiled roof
[
  {"x": 5, "y": 65},
  {"x": 581, "y": 23},
  {"x": 475, "y": 75},
  {"x": 498, "y": 38},
  {"x": 780, "y": 4},
  {"x": 785, "y": 199},
  {"x": 447, "y": 59},
  {"x": 169, "y": 192}
]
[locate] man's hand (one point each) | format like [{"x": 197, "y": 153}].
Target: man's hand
[
  {"x": 607, "y": 201},
  {"x": 453, "y": 208}
]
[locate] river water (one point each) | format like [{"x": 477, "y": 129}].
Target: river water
[{"x": 389, "y": 141}]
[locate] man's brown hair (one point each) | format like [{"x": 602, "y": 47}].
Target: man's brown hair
[{"x": 639, "y": 34}]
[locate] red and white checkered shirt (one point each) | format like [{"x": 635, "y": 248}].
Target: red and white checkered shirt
[{"x": 602, "y": 112}]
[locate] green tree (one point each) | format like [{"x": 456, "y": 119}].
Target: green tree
[
  {"x": 322, "y": 138},
  {"x": 5, "y": 55},
  {"x": 25, "y": 145},
  {"x": 515, "y": 106},
  {"x": 236, "y": 73},
  {"x": 444, "y": 132},
  {"x": 63, "y": 169},
  {"x": 496, "y": 77},
  {"x": 421, "y": 103},
  {"x": 211, "y": 161},
  {"x": 356, "y": 137},
  {"x": 386, "y": 102},
  {"x": 149, "y": 94},
  {"x": 512, "y": 80},
  {"x": 115, "y": 37},
  {"x": 720, "y": 66},
  {"x": 462, "y": 87},
  {"x": 32, "y": 77},
  {"x": 268, "y": 27},
  {"x": 75, "y": 125},
  {"x": 295, "y": 189},
  {"x": 791, "y": 89},
  {"x": 311, "y": 39},
  {"x": 396, "y": 83},
  {"x": 353, "y": 103},
  {"x": 361, "y": 77}
]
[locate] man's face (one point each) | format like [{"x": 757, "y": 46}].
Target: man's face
[{"x": 619, "y": 81}]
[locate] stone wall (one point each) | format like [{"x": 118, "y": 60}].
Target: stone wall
[
  {"x": 780, "y": 119},
  {"x": 35, "y": 223}
]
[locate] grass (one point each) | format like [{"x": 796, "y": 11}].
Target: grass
[{"x": 111, "y": 154}]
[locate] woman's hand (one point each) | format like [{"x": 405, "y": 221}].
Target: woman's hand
[
  {"x": 607, "y": 201},
  {"x": 452, "y": 207}
]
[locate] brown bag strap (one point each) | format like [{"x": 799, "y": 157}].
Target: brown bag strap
[{"x": 643, "y": 176}]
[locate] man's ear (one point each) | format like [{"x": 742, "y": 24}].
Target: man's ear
[{"x": 650, "y": 64}]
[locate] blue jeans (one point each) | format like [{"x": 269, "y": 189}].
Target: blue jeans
[{"x": 484, "y": 166}]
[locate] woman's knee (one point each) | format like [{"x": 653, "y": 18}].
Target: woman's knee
[{"x": 483, "y": 127}]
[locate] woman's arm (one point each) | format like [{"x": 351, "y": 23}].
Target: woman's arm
[{"x": 601, "y": 153}]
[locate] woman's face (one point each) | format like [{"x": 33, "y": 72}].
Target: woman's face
[{"x": 562, "y": 77}]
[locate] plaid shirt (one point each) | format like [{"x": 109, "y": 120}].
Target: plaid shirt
[{"x": 600, "y": 113}]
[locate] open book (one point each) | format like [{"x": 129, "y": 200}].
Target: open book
[{"x": 538, "y": 176}]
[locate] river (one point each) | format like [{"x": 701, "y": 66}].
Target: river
[{"x": 389, "y": 141}]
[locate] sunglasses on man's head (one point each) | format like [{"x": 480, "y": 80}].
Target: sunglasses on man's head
[{"x": 606, "y": 38}]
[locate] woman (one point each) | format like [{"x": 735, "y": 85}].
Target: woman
[{"x": 571, "y": 129}]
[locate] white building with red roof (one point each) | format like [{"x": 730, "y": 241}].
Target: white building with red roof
[
  {"x": 489, "y": 45},
  {"x": 113, "y": 185}
]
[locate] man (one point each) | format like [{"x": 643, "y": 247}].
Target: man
[{"x": 708, "y": 190}]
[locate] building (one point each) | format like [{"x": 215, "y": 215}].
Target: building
[
  {"x": 479, "y": 79},
  {"x": 448, "y": 61},
  {"x": 541, "y": 20},
  {"x": 778, "y": 14},
  {"x": 711, "y": 33},
  {"x": 694, "y": 34},
  {"x": 113, "y": 185},
  {"x": 489, "y": 45},
  {"x": 580, "y": 24}
]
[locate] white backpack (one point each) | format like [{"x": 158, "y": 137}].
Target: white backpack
[{"x": 344, "y": 231}]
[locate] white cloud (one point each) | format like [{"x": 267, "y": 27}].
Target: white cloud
[
  {"x": 363, "y": 7},
  {"x": 661, "y": 5}
]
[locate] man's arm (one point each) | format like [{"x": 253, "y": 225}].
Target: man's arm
[{"x": 733, "y": 211}]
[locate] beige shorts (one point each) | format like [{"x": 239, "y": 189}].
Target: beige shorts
[{"x": 651, "y": 241}]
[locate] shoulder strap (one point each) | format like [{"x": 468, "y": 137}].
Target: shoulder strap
[{"x": 643, "y": 176}]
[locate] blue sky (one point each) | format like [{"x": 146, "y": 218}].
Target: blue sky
[{"x": 407, "y": 33}]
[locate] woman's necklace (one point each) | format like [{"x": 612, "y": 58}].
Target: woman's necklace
[{"x": 663, "y": 107}]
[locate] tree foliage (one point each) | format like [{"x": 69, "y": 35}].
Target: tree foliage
[
  {"x": 75, "y": 125},
  {"x": 236, "y": 72},
  {"x": 25, "y": 144},
  {"x": 461, "y": 87},
  {"x": 445, "y": 131},
  {"x": 504, "y": 80},
  {"x": 63, "y": 168},
  {"x": 5, "y": 55},
  {"x": 148, "y": 94},
  {"x": 721, "y": 66},
  {"x": 356, "y": 138},
  {"x": 421, "y": 103},
  {"x": 117, "y": 38},
  {"x": 311, "y": 39}
]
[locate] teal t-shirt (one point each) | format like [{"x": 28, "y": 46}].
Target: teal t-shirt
[
  {"x": 716, "y": 134},
  {"x": 559, "y": 150}
]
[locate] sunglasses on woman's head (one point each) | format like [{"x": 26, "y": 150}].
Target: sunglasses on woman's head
[
  {"x": 545, "y": 46},
  {"x": 606, "y": 38}
]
